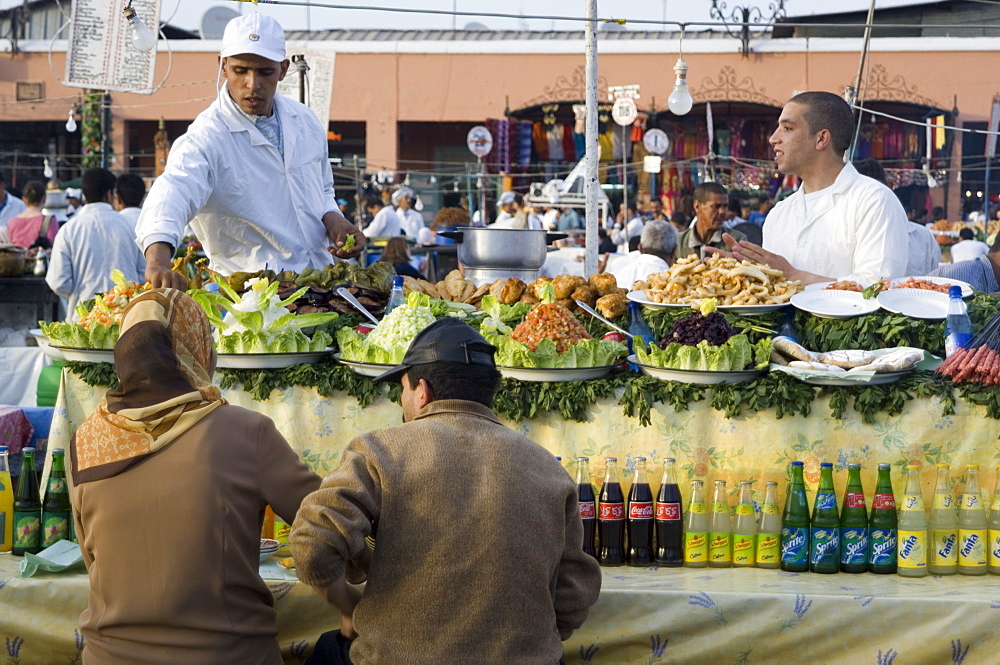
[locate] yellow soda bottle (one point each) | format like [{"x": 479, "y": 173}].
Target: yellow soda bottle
[
  {"x": 6, "y": 504},
  {"x": 696, "y": 529}
]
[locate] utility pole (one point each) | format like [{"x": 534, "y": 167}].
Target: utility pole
[{"x": 591, "y": 183}]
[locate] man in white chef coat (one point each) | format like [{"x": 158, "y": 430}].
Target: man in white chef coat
[
  {"x": 251, "y": 174},
  {"x": 839, "y": 224},
  {"x": 410, "y": 220}
]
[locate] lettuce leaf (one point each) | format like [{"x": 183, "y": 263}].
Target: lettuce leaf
[
  {"x": 585, "y": 353},
  {"x": 355, "y": 346},
  {"x": 735, "y": 355}
]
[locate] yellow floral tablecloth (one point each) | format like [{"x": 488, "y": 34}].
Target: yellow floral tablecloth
[{"x": 701, "y": 615}]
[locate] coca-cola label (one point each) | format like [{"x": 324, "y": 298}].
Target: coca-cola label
[
  {"x": 854, "y": 500},
  {"x": 884, "y": 501},
  {"x": 794, "y": 545},
  {"x": 670, "y": 512},
  {"x": 882, "y": 547},
  {"x": 640, "y": 510},
  {"x": 853, "y": 545},
  {"x": 612, "y": 511},
  {"x": 588, "y": 510},
  {"x": 824, "y": 547}
]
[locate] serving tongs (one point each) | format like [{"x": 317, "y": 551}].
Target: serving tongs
[
  {"x": 349, "y": 297},
  {"x": 593, "y": 312}
]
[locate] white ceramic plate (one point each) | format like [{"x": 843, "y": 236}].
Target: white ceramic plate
[
  {"x": 834, "y": 304},
  {"x": 364, "y": 369},
  {"x": 553, "y": 374},
  {"x": 743, "y": 310},
  {"x": 967, "y": 291},
  {"x": 820, "y": 286},
  {"x": 46, "y": 345},
  {"x": 695, "y": 375},
  {"x": 915, "y": 303},
  {"x": 267, "y": 360},
  {"x": 87, "y": 355},
  {"x": 877, "y": 379}
]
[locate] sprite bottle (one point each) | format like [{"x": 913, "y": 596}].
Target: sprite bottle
[
  {"x": 882, "y": 525},
  {"x": 824, "y": 541},
  {"x": 744, "y": 528},
  {"x": 854, "y": 525},
  {"x": 795, "y": 525},
  {"x": 972, "y": 526},
  {"x": 912, "y": 555},
  {"x": 696, "y": 528},
  {"x": 769, "y": 529},
  {"x": 942, "y": 549}
]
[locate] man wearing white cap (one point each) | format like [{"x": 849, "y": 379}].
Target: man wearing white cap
[
  {"x": 251, "y": 174},
  {"x": 507, "y": 203},
  {"x": 409, "y": 219}
]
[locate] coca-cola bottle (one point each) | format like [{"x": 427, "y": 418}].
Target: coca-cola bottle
[
  {"x": 669, "y": 522},
  {"x": 640, "y": 518},
  {"x": 588, "y": 507},
  {"x": 611, "y": 517}
]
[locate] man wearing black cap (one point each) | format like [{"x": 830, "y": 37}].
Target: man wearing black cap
[{"x": 479, "y": 542}]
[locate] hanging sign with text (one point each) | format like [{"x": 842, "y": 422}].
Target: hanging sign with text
[{"x": 100, "y": 53}]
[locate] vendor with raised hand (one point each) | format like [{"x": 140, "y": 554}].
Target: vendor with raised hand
[
  {"x": 839, "y": 224},
  {"x": 251, "y": 174}
]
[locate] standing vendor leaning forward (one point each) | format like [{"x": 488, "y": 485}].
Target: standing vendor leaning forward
[
  {"x": 251, "y": 174},
  {"x": 839, "y": 224}
]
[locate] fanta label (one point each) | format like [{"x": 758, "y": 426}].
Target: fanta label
[
  {"x": 882, "y": 548},
  {"x": 912, "y": 549},
  {"x": 945, "y": 546},
  {"x": 854, "y": 500},
  {"x": 794, "y": 545},
  {"x": 972, "y": 547},
  {"x": 27, "y": 529},
  {"x": 826, "y": 500},
  {"x": 768, "y": 547},
  {"x": 853, "y": 545},
  {"x": 670, "y": 512},
  {"x": 640, "y": 510},
  {"x": 612, "y": 511},
  {"x": 884, "y": 501},
  {"x": 696, "y": 547},
  {"x": 588, "y": 510},
  {"x": 718, "y": 547},
  {"x": 943, "y": 501},
  {"x": 824, "y": 546},
  {"x": 994, "y": 537},
  {"x": 913, "y": 503}
]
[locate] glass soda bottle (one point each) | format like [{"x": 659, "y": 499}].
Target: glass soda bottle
[
  {"x": 912, "y": 556},
  {"x": 824, "y": 539},
  {"x": 696, "y": 528},
  {"x": 882, "y": 524},
  {"x": 972, "y": 527},
  {"x": 6, "y": 503},
  {"x": 993, "y": 529},
  {"x": 795, "y": 525},
  {"x": 720, "y": 529},
  {"x": 27, "y": 508},
  {"x": 640, "y": 518},
  {"x": 611, "y": 517},
  {"x": 56, "y": 512},
  {"x": 744, "y": 528},
  {"x": 854, "y": 525},
  {"x": 669, "y": 520},
  {"x": 588, "y": 507},
  {"x": 769, "y": 529},
  {"x": 942, "y": 550}
]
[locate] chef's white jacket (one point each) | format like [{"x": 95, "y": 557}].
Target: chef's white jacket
[
  {"x": 410, "y": 221},
  {"x": 856, "y": 229},
  {"x": 250, "y": 208},
  {"x": 385, "y": 223}
]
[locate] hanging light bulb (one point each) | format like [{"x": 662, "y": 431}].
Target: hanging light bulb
[
  {"x": 71, "y": 121},
  {"x": 680, "y": 101},
  {"x": 47, "y": 169},
  {"x": 143, "y": 38}
]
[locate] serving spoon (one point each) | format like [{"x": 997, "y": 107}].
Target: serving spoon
[
  {"x": 593, "y": 312},
  {"x": 349, "y": 297}
]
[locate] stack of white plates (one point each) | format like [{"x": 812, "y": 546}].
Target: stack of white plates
[{"x": 267, "y": 548}]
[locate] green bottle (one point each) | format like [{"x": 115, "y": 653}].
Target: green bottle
[
  {"x": 882, "y": 526},
  {"x": 56, "y": 512},
  {"x": 27, "y": 508},
  {"x": 854, "y": 525},
  {"x": 824, "y": 540},
  {"x": 795, "y": 525}
]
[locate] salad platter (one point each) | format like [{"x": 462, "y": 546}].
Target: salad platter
[
  {"x": 371, "y": 370},
  {"x": 706, "y": 377},
  {"x": 267, "y": 360},
  {"x": 86, "y": 355},
  {"x": 555, "y": 373}
]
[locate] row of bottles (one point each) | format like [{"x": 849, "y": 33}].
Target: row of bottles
[{"x": 27, "y": 525}]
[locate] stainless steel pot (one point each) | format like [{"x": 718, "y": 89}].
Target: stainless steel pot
[{"x": 502, "y": 249}]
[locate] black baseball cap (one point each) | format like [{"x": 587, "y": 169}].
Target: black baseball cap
[{"x": 447, "y": 340}]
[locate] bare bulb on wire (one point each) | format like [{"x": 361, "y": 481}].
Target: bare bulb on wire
[
  {"x": 143, "y": 38},
  {"x": 680, "y": 101},
  {"x": 71, "y": 122},
  {"x": 47, "y": 169}
]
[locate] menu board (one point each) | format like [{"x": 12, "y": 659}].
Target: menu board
[
  {"x": 319, "y": 81},
  {"x": 100, "y": 53}
]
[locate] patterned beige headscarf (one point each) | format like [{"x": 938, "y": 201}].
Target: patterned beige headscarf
[{"x": 164, "y": 358}]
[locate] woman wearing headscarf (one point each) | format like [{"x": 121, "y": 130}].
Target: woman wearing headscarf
[{"x": 169, "y": 487}]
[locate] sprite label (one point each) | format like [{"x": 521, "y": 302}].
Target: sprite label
[
  {"x": 768, "y": 548},
  {"x": 696, "y": 547},
  {"x": 824, "y": 545},
  {"x": 27, "y": 530},
  {"x": 853, "y": 545},
  {"x": 912, "y": 549},
  {"x": 883, "y": 547},
  {"x": 743, "y": 549},
  {"x": 56, "y": 528},
  {"x": 826, "y": 501},
  {"x": 945, "y": 549},
  {"x": 972, "y": 547},
  {"x": 794, "y": 545}
]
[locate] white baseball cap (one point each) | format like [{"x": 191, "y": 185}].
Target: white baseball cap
[
  {"x": 398, "y": 195},
  {"x": 254, "y": 34},
  {"x": 505, "y": 198}
]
